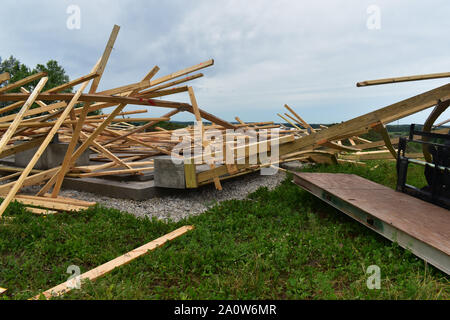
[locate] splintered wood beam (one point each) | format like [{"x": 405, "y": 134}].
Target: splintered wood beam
[
  {"x": 19, "y": 116},
  {"x": 403, "y": 79},
  {"x": 111, "y": 265},
  {"x": 104, "y": 58},
  {"x": 4, "y": 77},
  {"x": 20, "y": 83}
]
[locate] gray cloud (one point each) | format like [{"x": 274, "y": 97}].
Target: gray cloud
[{"x": 267, "y": 53}]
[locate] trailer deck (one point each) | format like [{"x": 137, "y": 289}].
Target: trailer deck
[{"x": 419, "y": 226}]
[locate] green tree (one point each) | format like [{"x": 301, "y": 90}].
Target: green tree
[
  {"x": 56, "y": 76},
  {"x": 16, "y": 69}
]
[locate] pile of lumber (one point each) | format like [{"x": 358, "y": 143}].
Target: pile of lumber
[
  {"x": 40, "y": 116},
  {"x": 123, "y": 148}
]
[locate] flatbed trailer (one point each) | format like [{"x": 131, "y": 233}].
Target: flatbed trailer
[{"x": 416, "y": 225}]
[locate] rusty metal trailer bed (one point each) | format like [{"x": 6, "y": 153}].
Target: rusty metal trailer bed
[{"x": 419, "y": 226}]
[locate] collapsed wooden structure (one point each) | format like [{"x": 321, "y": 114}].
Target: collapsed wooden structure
[{"x": 123, "y": 148}]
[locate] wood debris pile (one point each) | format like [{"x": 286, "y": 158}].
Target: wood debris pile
[{"x": 123, "y": 148}]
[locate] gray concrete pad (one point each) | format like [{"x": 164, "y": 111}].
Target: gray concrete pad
[{"x": 136, "y": 190}]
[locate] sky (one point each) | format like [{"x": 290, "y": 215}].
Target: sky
[{"x": 307, "y": 54}]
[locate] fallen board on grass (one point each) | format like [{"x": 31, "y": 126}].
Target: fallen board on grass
[{"x": 111, "y": 265}]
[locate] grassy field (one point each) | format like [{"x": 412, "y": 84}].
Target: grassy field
[{"x": 280, "y": 244}]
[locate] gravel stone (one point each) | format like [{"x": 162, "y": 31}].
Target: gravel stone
[{"x": 177, "y": 205}]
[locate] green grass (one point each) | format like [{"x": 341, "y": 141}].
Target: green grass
[{"x": 280, "y": 244}]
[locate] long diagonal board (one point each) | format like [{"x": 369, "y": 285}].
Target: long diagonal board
[
  {"x": 419, "y": 226},
  {"x": 117, "y": 262}
]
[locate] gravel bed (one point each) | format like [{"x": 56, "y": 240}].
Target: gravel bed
[{"x": 179, "y": 205}]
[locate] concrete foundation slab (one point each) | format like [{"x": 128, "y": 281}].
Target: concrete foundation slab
[{"x": 136, "y": 190}]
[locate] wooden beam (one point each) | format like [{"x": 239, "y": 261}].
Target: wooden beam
[
  {"x": 73, "y": 83},
  {"x": 117, "y": 262},
  {"x": 198, "y": 119},
  {"x": 114, "y": 172},
  {"x": 362, "y": 123},
  {"x": 147, "y": 83},
  {"x": 141, "y": 128},
  {"x": 29, "y": 181},
  {"x": 34, "y": 111},
  {"x": 23, "y": 81},
  {"x": 387, "y": 114},
  {"x": 19, "y": 116},
  {"x": 95, "y": 98},
  {"x": 49, "y": 204},
  {"x": 104, "y": 58},
  {"x": 305, "y": 124},
  {"x": 288, "y": 121},
  {"x": 42, "y": 147},
  {"x": 72, "y": 158},
  {"x": 376, "y": 144},
  {"x": 170, "y": 84},
  {"x": 4, "y": 77},
  {"x": 381, "y": 129},
  {"x": 21, "y": 147},
  {"x": 403, "y": 79},
  {"x": 40, "y": 211},
  {"x": 74, "y": 202},
  {"x": 441, "y": 123}
]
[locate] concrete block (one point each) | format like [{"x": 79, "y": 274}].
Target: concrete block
[
  {"x": 53, "y": 156},
  {"x": 168, "y": 174}
]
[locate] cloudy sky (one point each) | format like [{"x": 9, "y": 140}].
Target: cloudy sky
[{"x": 308, "y": 54}]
